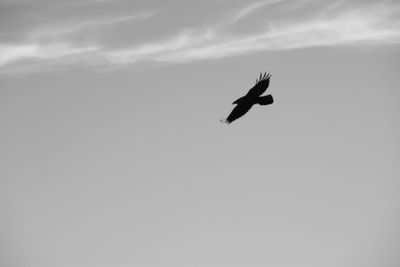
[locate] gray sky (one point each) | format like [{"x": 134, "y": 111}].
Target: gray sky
[{"x": 112, "y": 153}]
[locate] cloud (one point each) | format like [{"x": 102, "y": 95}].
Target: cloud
[
  {"x": 335, "y": 24},
  {"x": 246, "y": 11},
  {"x": 156, "y": 51},
  {"x": 363, "y": 26},
  {"x": 69, "y": 28},
  {"x": 13, "y": 53},
  {"x": 50, "y": 43}
]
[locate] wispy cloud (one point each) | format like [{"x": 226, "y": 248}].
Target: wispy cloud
[
  {"x": 246, "y": 11},
  {"x": 52, "y": 43},
  {"x": 373, "y": 24},
  {"x": 14, "y": 53},
  {"x": 370, "y": 25},
  {"x": 71, "y": 27},
  {"x": 350, "y": 28},
  {"x": 156, "y": 51}
]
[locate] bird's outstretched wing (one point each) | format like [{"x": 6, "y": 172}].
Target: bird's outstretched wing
[
  {"x": 261, "y": 86},
  {"x": 238, "y": 112}
]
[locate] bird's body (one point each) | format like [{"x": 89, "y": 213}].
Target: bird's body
[{"x": 244, "y": 104}]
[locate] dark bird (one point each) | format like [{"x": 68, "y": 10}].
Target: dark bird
[{"x": 244, "y": 104}]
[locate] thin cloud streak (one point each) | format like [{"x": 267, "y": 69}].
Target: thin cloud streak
[
  {"x": 252, "y": 8},
  {"x": 14, "y": 53},
  {"x": 155, "y": 51},
  {"x": 75, "y": 27}
]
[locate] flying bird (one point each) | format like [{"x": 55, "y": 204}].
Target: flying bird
[{"x": 244, "y": 104}]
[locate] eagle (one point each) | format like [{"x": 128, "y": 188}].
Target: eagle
[{"x": 244, "y": 104}]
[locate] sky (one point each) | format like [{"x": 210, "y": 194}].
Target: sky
[{"x": 112, "y": 153}]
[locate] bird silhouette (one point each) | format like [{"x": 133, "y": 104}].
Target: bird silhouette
[{"x": 244, "y": 104}]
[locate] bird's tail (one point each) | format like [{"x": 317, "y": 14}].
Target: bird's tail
[{"x": 265, "y": 100}]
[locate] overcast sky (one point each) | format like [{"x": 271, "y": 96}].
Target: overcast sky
[{"x": 112, "y": 153}]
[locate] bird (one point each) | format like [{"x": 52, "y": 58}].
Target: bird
[{"x": 244, "y": 104}]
